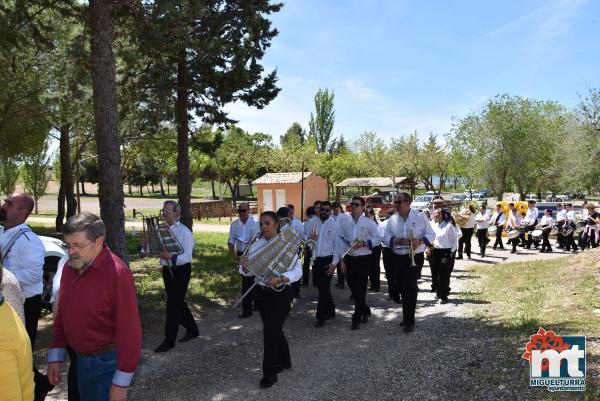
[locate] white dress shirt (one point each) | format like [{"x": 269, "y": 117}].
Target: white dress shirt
[
  {"x": 561, "y": 215},
  {"x": 501, "y": 220},
  {"x": 514, "y": 221},
  {"x": 416, "y": 223},
  {"x": 309, "y": 226},
  {"x": 571, "y": 215},
  {"x": 584, "y": 213},
  {"x": 482, "y": 220},
  {"x": 186, "y": 239},
  {"x": 299, "y": 227},
  {"x": 240, "y": 233},
  {"x": 547, "y": 220},
  {"x": 293, "y": 274},
  {"x": 531, "y": 216},
  {"x": 25, "y": 259},
  {"x": 446, "y": 236},
  {"x": 363, "y": 227},
  {"x": 470, "y": 221},
  {"x": 328, "y": 240}
]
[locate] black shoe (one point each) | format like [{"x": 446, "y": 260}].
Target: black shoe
[
  {"x": 513, "y": 251},
  {"x": 460, "y": 256},
  {"x": 244, "y": 315},
  {"x": 320, "y": 323},
  {"x": 494, "y": 248},
  {"x": 542, "y": 251},
  {"x": 164, "y": 347},
  {"x": 468, "y": 256},
  {"x": 281, "y": 368},
  {"x": 549, "y": 250},
  {"x": 355, "y": 325},
  {"x": 501, "y": 248},
  {"x": 364, "y": 319},
  {"x": 267, "y": 382},
  {"x": 444, "y": 301},
  {"x": 398, "y": 300},
  {"x": 408, "y": 328},
  {"x": 188, "y": 336}
]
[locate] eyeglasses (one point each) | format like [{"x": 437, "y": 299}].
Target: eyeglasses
[
  {"x": 242, "y": 210},
  {"x": 77, "y": 247}
]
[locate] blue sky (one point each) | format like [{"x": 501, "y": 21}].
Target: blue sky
[{"x": 400, "y": 66}]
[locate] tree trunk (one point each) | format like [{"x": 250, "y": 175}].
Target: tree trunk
[
  {"x": 184, "y": 182},
  {"x": 250, "y": 188},
  {"x": 110, "y": 189},
  {"x": 141, "y": 192},
  {"x": 129, "y": 186},
  {"x": 162, "y": 188},
  {"x": 82, "y": 182},
  {"x": 212, "y": 187},
  {"x": 60, "y": 210}
]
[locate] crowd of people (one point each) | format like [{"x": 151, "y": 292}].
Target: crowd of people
[{"x": 96, "y": 318}]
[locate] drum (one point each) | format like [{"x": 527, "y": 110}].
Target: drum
[
  {"x": 492, "y": 230},
  {"x": 537, "y": 235},
  {"x": 512, "y": 234},
  {"x": 554, "y": 230}
]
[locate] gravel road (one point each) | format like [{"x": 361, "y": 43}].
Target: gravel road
[{"x": 450, "y": 356}]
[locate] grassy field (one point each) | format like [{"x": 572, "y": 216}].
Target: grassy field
[{"x": 562, "y": 295}]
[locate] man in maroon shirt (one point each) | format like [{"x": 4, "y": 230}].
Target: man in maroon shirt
[{"x": 97, "y": 314}]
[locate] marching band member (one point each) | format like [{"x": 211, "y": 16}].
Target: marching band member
[
  {"x": 310, "y": 233},
  {"x": 482, "y": 219},
  {"x": 387, "y": 256},
  {"x": 467, "y": 232},
  {"x": 561, "y": 216},
  {"x": 375, "y": 270},
  {"x": 547, "y": 223},
  {"x": 407, "y": 233},
  {"x": 240, "y": 234},
  {"x": 343, "y": 220},
  {"x": 365, "y": 235},
  {"x": 570, "y": 221},
  {"x": 513, "y": 223},
  {"x": 297, "y": 225},
  {"x": 273, "y": 306},
  {"x": 446, "y": 239},
  {"x": 532, "y": 220},
  {"x": 176, "y": 272},
  {"x": 327, "y": 257},
  {"x": 592, "y": 227},
  {"x": 499, "y": 220}
]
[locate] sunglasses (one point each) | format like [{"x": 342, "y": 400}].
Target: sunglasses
[
  {"x": 355, "y": 204},
  {"x": 242, "y": 210},
  {"x": 397, "y": 202},
  {"x": 325, "y": 209}
]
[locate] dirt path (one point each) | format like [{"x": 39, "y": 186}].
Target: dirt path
[{"x": 450, "y": 356}]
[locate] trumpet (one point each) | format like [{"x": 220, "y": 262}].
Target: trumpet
[
  {"x": 353, "y": 246},
  {"x": 311, "y": 244}
]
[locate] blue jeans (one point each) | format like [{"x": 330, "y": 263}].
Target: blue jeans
[{"x": 95, "y": 374}]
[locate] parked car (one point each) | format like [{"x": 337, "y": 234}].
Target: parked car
[
  {"x": 55, "y": 250},
  {"x": 421, "y": 202},
  {"x": 532, "y": 197},
  {"x": 458, "y": 197},
  {"x": 376, "y": 201}
]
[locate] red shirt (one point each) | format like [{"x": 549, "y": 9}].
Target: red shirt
[{"x": 98, "y": 308}]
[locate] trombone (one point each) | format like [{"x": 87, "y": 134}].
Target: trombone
[{"x": 353, "y": 246}]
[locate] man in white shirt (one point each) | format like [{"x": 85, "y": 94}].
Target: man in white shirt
[
  {"x": 327, "y": 256},
  {"x": 499, "y": 220},
  {"x": 532, "y": 220},
  {"x": 310, "y": 234},
  {"x": 561, "y": 217},
  {"x": 482, "y": 219},
  {"x": 408, "y": 233},
  {"x": 365, "y": 235},
  {"x": 570, "y": 220},
  {"x": 176, "y": 272},
  {"x": 241, "y": 233},
  {"x": 342, "y": 219}
]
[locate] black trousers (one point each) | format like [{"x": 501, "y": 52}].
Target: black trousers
[
  {"x": 178, "y": 312},
  {"x": 560, "y": 239},
  {"x": 341, "y": 277},
  {"x": 570, "y": 243},
  {"x": 33, "y": 309},
  {"x": 306, "y": 268},
  {"x": 325, "y": 306},
  {"x": 274, "y": 308},
  {"x": 545, "y": 242},
  {"x": 407, "y": 282},
  {"x": 482, "y": 240},
  {"x": 530, "y": 239},
  {"x": 375, "y": 269},
  {"x": 73, "y": 388},
  {"x": 390, "y": 274},
  {"x": 248, "y": 301},
  {"x": 498, "y": 242},
  {"x": 357, "y": 269},
  {"x": 442, "y": 260},
  {"x": 464, "y": 243}
]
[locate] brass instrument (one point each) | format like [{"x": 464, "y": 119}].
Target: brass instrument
[
  {"x": 460, "y": 218},
  {"x": 311, "y": 244},
  {"x": 353, "y": 246},
  {"x": 273, "y": 259},
  {"x": 411, "y": 249}
]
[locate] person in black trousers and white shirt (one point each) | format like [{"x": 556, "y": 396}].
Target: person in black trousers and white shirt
[
  {"x": 499, "y": 220},
  {"x": 400, "y": 228},
  {"x": 547, "y": 223},
  {"x": 176, "y": 272},
  {"x": 482, "y": 219},
  {"x": 365, "y": 235},
  {"x": 531, "y": 217},
  {"x": 241, "y": 233},
  {"x": 327, "y": 251},
  {"x": 446, "y": 238},
  {"x": 274, "y": 306},
  {"x": 467, "y": 232}
]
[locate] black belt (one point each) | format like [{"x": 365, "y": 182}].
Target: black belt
[{"x": 442, "y": 249}]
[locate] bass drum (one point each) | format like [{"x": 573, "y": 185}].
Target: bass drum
[{"x": 492, "y": 231}]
